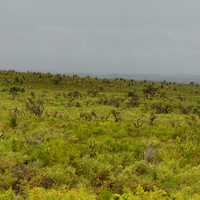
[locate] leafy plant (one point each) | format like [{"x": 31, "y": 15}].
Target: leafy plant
[{"x": 36, "y": 106}]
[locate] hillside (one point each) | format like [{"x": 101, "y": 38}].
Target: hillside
[{"x": 83, "y": 138}]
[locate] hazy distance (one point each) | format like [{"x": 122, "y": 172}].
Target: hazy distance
[{"x": 107, "y": 36}]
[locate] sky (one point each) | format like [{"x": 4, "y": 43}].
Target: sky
[{"x": 101, "y": 36}]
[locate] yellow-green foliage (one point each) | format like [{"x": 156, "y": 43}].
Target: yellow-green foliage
[
  {"x": 42, "y": 194},
  {"x": 83, "y": 138}
]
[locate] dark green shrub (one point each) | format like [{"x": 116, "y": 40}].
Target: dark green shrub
[
  {"x": 134, "y": 101},
  {"x": 117, "y": 115},
  {"x": 185, "y": 109},
  {"x": 13, "y": 118},
  {"x": 112, "y": 101},
  {"x": 152, "y": 118},
  {"x": 57, "y": 79},
  {"x": 15, "y": 90},
  {"x": 43, "y": 181},
  {"x": 93, "y": 92},
  {"x": 162, "y": 107},
  {"x": 139, "y": 122},
  {"x": 36, "y": 106},
  {"x": 141, "y": 168},
  {"x": 74, "y": 94},
  {"x": 88, "y": 116},
  {"x": 196, "y": 110},
  {"x": 150, "y": 91},
  {"x": 132, "y": 94}
]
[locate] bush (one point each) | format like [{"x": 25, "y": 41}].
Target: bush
[
  {"x": 150, "y": 91},
  {"x": 134, "y": 101},
  {"x": 35, "y": 106},
  {"x": 162, "y": 107},
  {"x": 112, "y": 101},
  {"x": 74, "y": 94},
  {"x": 15, "y": 90},
  {"x": 13, "y": 118},
  {"x": 117, "y": 115}
]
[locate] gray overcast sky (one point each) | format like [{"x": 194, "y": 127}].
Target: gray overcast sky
[{"x": 101, "y": 36}]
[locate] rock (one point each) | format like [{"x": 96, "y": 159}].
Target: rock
[{"x": 149, "y": 154}]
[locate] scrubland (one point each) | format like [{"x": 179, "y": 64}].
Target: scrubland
[{"x": 82, "y": 138}]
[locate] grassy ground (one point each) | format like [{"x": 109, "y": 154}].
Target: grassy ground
[{"x": 66, "y": 137}]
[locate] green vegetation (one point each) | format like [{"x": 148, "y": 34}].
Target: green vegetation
[{"x": 72, "y": 138}]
